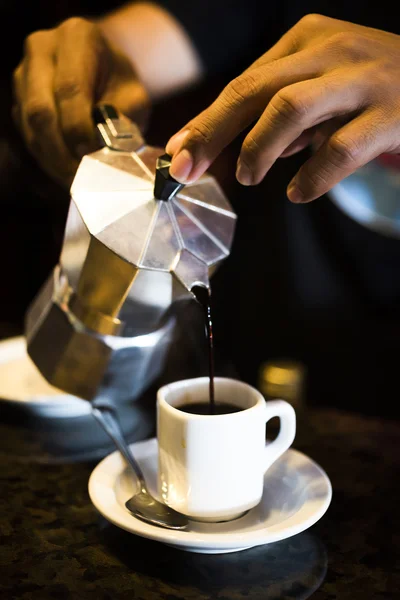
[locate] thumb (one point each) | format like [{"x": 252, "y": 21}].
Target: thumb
[{"x": 132, "y": 100}]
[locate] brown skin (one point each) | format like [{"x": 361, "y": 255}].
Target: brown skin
[
  {"x": 63, "y": 73},
  {"x": 327, "y": 82},
  {"x": 127, "y": 57}
]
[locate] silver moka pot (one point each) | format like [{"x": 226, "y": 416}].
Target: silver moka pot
[{"x": 136, "y": 241}]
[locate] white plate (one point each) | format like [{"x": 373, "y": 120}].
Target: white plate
[
  {"x": 297, "y": 492},
  {"x": 22, "y": 384}
]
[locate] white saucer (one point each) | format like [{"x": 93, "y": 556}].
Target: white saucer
[
  {"x": 297, "y": 492},
  {"x": 22, "y": 384}
]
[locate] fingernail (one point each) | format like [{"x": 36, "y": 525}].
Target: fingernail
[
  {"x": 82, "y": 150},
  {"x": 294, "y": 193},
  {"x": 176, "y": 141},
  {"x": 243, "y": 174},
  {"x": 181, "y": 166}
]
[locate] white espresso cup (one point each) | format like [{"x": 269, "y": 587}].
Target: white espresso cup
[{"x": 211, "y": 467}]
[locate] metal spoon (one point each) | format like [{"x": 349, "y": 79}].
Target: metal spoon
[{"x": 142, "y": 504}]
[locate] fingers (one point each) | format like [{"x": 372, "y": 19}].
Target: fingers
[
  {"x": 285, "y": 46},
  {"x": 81, "y": 55},
  {"x": 239, "y": 104},
  {"x": 291, "y": 112},
  {"x": 124, "y": 91},
  {"x": 328, "y": 81},
  {"x": 35, "y": 109},
  {"x": 132, "y": 100},
  {"x": 349, "y": 148},
  {"x": 64, "y": 73},
  {"x": 300, "y": 143}
]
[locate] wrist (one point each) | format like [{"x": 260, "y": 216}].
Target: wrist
[{"x": 157, "y": 45}]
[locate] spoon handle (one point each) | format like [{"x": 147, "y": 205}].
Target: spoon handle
[{"x": 106, "y": 416}]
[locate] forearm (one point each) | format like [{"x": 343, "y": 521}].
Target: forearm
[{"x": 161, "y": 51}]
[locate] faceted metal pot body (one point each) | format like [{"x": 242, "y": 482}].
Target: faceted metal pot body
[{"x": 135, "y": 243}]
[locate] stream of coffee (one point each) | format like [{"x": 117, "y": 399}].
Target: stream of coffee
[{"x": 203, "y": 296}]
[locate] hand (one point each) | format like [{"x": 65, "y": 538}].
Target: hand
[
  {"x": 63, "y": 73},
  {"x": 327, "y": 82}
]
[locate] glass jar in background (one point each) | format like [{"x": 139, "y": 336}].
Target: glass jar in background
[{"x": 283, "y": 379}]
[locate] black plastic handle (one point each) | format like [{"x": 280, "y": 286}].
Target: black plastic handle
[{"x": 102, "y": 112}]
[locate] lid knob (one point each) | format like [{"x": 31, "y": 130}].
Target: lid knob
[{"x": 165, "y": 186}]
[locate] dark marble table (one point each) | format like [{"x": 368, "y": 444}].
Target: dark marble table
[{"x": 55, "y": 545}]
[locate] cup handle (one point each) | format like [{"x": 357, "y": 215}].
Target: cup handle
[{"x": 287, "y": 432}]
